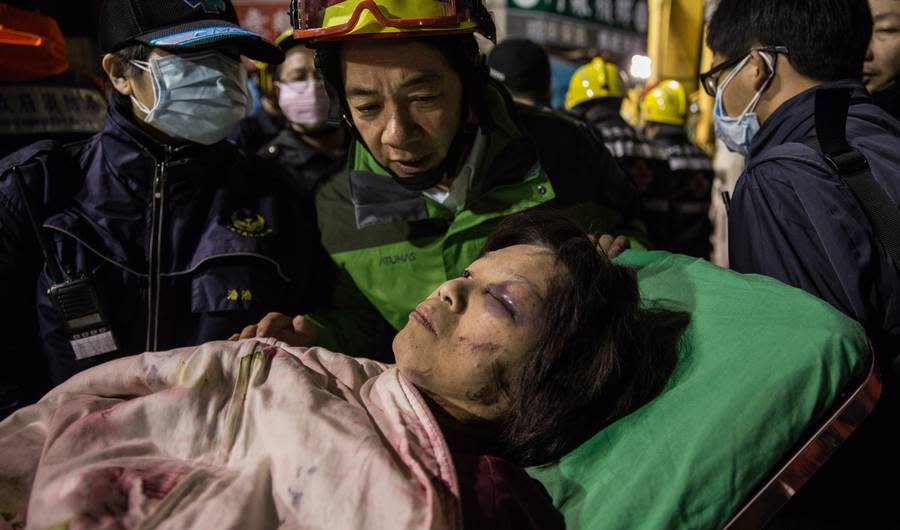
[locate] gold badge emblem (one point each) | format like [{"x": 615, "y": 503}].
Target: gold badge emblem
[{"x": 249, "y": 224}]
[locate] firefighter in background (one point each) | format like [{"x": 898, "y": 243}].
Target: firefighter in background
[
  {"x": 40, "y": 96},
  {"x": 595, "y": 95},
  {"x": 676, "y": 207}
]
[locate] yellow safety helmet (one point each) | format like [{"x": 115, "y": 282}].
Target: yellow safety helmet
[
  {"x": 665, "y": 103},
  {"x": 595, "y": 80},
  {"x": 329, "y": 20}
]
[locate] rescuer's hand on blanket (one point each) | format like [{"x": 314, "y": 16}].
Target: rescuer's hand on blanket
[{"x": 295, "y": 331}]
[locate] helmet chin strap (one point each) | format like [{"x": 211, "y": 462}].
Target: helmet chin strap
[{"x": 432, "y": 177}]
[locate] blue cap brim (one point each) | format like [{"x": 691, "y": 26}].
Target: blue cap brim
[{"x": 207, "y": 34}]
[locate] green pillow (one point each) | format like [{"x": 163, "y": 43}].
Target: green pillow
[{"x": 761, "y": 361}]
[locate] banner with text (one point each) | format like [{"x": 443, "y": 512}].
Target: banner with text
[{"x": 618, "y": 27}]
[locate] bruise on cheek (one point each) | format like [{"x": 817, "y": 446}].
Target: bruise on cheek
[
  {"x": 521, "y": 312},
  {"x": 480, "y": 348}
]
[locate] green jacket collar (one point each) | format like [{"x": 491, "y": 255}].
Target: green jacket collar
[{"x": 507, "y": 155}]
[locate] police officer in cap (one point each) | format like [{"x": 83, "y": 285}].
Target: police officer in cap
[{"x": 172, "y": 236}]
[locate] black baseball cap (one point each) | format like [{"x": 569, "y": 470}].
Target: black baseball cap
[
  {"x": 521, "y": 65},
  {"x": 180, "y": 26}
]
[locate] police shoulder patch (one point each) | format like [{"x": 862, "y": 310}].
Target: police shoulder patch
[{"x": 249, "y": 224}]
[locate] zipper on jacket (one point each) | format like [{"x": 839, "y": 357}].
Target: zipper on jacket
[{"x": 158, "y": 214}]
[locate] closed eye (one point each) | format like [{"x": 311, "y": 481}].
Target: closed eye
[
  {"x": 498, "y": 298},
  {"x": 506, "y": 305}
]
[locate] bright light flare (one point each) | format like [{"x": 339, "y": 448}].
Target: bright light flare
[{"x": 641, "y": 67}]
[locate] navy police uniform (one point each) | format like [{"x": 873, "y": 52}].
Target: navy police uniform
[{"x": 182, "y": 245}]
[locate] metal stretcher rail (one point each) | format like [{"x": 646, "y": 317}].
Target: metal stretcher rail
[{"x": 812, "y": 454}]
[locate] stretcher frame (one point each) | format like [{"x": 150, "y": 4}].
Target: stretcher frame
[{"x": 812, "y": 453}]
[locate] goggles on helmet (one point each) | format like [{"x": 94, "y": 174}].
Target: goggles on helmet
[{"x": 342, "y": 19}]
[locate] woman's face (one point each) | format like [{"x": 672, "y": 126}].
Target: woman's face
[
  {"x": 883, "y": 59},
  {"x": 467, "y": 342}
]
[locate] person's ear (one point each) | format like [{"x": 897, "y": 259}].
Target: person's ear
[
  {"x": 759, "y": 69},
  {"x": 115, "y": 71}
]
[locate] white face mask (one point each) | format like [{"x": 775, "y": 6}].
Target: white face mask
[
  {"x": 304, "y": 102},
  {"x": 199, "y": 97},
  {"x": 737, "y": 133}
]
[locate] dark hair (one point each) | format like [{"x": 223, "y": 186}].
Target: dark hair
[
  {"x": 124, "y": 68},
  {"x": 600, "y": 355},
  {"x": 826, "y": 39},
  {"x": 524, "y": 67}
]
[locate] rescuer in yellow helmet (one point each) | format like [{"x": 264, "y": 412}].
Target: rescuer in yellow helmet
[
  {"x": 665, "y": 103},
  {"x": 599, "y": 80},
  {"x": 595, "y": 95},
  {"x": 440, "y": 152},
  {"x": 676, "y": 207}
]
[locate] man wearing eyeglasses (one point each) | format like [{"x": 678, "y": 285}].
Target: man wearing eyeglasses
[{"x": 793, "y": 216}]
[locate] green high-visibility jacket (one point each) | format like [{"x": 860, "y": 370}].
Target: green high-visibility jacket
[{"x": 394, "y": 246}]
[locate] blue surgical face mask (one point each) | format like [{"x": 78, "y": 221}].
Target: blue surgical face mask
[
  {"x": 198, "y": 97},
  {"x": 737, "y": 133}
]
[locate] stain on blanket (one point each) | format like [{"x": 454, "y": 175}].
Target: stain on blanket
[
  {"x": 296, "y": 497},
  {"x": 113, "y": 491},
  {"x": 154, "y": 379}
]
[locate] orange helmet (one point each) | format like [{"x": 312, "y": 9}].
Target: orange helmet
[{"x": 31, "y": 45}]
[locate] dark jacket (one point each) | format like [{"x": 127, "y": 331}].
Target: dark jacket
[
  {"x": 792, "y": 218},
  {"x": 255, "y": 131},
  {"x": 52, "y": 177},
  {"x": 676, "y": 202},
  {"x": 889, "y": 99},
  {"x": 620, "y": 138},
  {"x": 183, "y": 244},
  {"x": 306, "y": 166}
]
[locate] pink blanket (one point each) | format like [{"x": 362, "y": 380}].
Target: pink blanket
[{"x": 242, "y": 435}]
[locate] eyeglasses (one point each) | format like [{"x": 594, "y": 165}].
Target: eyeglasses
[{"x": 710, "y": 80}]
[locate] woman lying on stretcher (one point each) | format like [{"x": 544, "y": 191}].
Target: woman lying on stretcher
[{"x": 535, "y": 348}]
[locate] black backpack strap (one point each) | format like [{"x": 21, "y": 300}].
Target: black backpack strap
[{"x": 832, "y": 105}]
